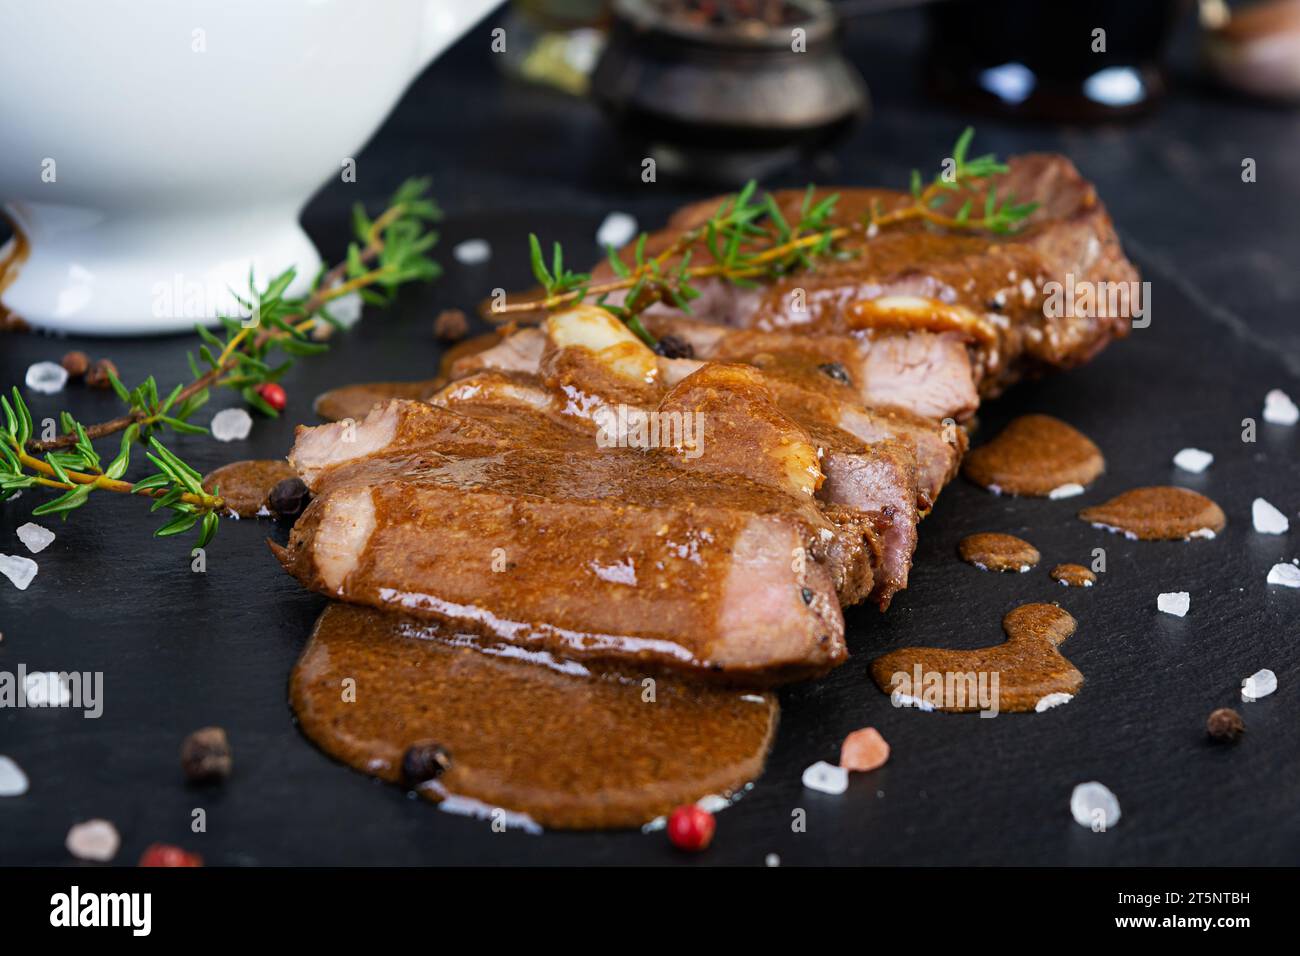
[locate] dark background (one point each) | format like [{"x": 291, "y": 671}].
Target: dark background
[{"x": 182, "y": 650}]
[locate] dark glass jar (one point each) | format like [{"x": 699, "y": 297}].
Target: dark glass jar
[
  {"x": 1051, "y": 59},
  {"x": 726, "y": 101}
]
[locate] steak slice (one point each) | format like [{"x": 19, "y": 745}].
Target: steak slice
[
  {"x": 793, "y": 442},
  {"x": 926, "y": 373},
  {"x": 526, "y": 533},
  {"x": 986, "y": 290}
]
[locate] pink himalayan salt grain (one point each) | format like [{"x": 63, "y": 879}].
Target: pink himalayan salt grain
[{"x": 864, "y": 750}]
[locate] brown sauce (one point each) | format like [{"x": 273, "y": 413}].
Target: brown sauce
[
  {"x": 1161, "y": 513},
  {"x": 569, "y": 749},
  {"x": 1032, "y": 456},
  {"x": 998, "y": 552},
  {"x": 1073, "y": 576},
  {"x": 354, "y": 401},
  {"x": 245, "y": 486},
  {"x": 1026, "y": 668}
]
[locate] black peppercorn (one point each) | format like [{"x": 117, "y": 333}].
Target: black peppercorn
[
  {"x": 1225, "y": 726},
  {"x": 674, "y": 347},
  {"x": 836, "y": 372},
  {"x": 423, "y": 761},
  {"x": 205, "y": 755},
  {"x": 288, "y": 499}
]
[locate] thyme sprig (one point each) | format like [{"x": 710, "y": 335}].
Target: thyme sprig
[
  {"x": 750, "y": 239},
  {"x": 78, "y": 472},
  {"x": 259, "y": 347}
]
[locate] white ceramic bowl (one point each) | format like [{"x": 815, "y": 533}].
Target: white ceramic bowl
[{"x": 151, "y": 151}]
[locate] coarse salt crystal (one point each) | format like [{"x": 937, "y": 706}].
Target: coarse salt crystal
[
  {"x": 35, "y": 537},
  {"x": 616, "y": 230},
  {"x": 345, "y": 310},
  {"x": 714, "y": 803},
  {"x": 231, "y": 424},
  {"x": 864, "y": 750},
  {"x": 1094, "y": 806},
  {"x": 899, "y": 699},
  {"x": 18, "y": 569},
  {"x": 1065, "y": 491},
  {"x": 1279, "y": 409},
  {"x": 13, "y": 782},
  {"x": 46, "y": 689},
  {"x": 1052, "y": 700},
  {"x": 1257, "y": 685},
  {"x": 826, "y": 778},
  {"x": 47, "y": 377},
  {"x": 1267, "y": 519},
  {"x": 1193, "y": 460},
  {"x": 1174, "y": 602},
  {"x": 93, "y": 840},
  {"x": 1286, "y": 575},
  {"x": 472, "y": 252}
]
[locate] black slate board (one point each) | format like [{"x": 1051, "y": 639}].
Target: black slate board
[{"x": 181, "y": 650}]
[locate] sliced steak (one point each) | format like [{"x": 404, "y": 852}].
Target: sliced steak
[
  {"x": 987, "y": 290},
  {"x": 527, "y": 533}
]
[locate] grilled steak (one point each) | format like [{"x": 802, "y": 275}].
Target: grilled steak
[
  {"x": 528, "y": 533},
  {"x": 982, "y": 290},
  {"x": 884, "y": 462},
  {"x": 521, "y": 501}
]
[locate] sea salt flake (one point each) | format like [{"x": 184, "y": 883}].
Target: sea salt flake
[
  {"x": 899, "y": 699},
  {"x": 35, "y": 537},
  {"x": 1174, "y": 602},
  {"x": 1193, "y": 460},
  {"x": 472, "y": 252},
  {"x": 18, "y": 569},
  {"x": 13, "y": 782},
  {"x": 1257, "y": 685},
  {"x": 1279, "y": 409},
  {"x": 1286, "y": 575},
  {"x": 47, "y": 377},
  {"x": 46, "y": 689},
  {"x": 1093, "y": 806},
  {"x": 1267, "y": 519},
  {"x": 231, "y": 424},
  {"x": 826, "y": 778},
  {"x": 1068, "y": 490},
  {"x": 864, "y": 750},
  {"x": 616, "y": 230},
  {"x": 714, "y": 803},
  {"x": 1052, "y": 700},
  {"x": 93, "y": 840},
  {"x": 346, "y": 310}
]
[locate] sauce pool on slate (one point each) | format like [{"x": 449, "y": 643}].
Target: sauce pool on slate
[
  {"x": 1161, "y": 513},
  {"x": 990, "y": 551},
  {"x": 1027, "y": 667},
  {"x": 1073, "y": 576},
  {"x": 1032, "y": 456},
  {"x": 245, "y": 486},
  {"x": 525, "y": 733}
]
